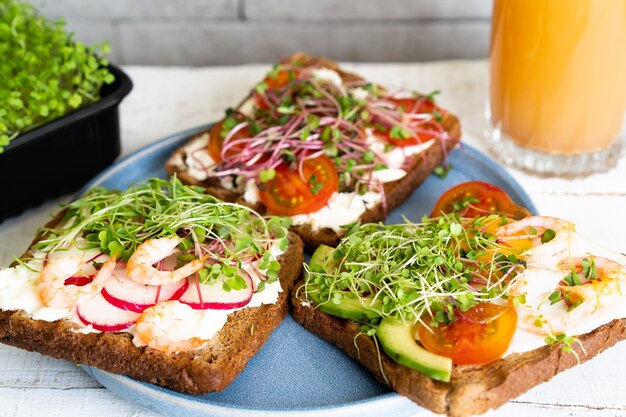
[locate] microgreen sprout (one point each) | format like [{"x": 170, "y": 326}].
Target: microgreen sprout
[
  {"x": 442, "y": 170},
  {"x": 118, "y": 222},
  {"x": 578, "y": 276},
  {"x": 567, "y": 343},
  {"x": 416, "y": 270},
  {"x": 547, "y": 235}
]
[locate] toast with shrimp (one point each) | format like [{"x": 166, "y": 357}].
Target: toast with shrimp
[
  {"x": 451, "y": 335},
  {"x": 321, "y": 145},
  {"x": 185, "y": 308}
]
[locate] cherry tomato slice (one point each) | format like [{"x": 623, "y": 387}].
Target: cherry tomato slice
[
  {"x": 281, "y": 79},
  {"x": 216, "y": 141},
  {"x": 429, "y": 131},
  {"x": 477, "y": 198},
  {"x": 480, "y": 335},
  {"x": 275, "y": 83},
  {"x": 413, "y": 106},
  {"x": 287, "y": 194}
]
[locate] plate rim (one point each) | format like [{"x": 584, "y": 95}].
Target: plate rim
[
  {"x": 384, "y": 401},
  {"x": 390, "y": 401}
]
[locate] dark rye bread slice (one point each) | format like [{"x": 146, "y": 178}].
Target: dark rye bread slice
[
  {"x": 200, "y": 371},
  {"x": 472, "y": 389},
  {"x": 395, "y": 192}
]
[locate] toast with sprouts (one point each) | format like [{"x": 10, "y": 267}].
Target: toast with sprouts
[
  {"x": 321, "y": 145},
  {"x": 461, "y": 316},
  {"x": 73, "y": 295}
]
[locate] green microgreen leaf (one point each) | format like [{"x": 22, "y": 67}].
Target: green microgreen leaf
[
  {"x": 555, "y": 297},
  {"x": 228, "y": 124},
  {"x": 313, "y": 121},
  {"x": 288, "y": 156},
  {"x": 548, "y": 235},
  {"x": 261, "y": 88},
  {"x": 398, "y": 132},
  {"x": 326, "y": 134},
  {"x": 574, "y": 305},
  {"x": 442, "y": 170},
  {"x": 456, "y": 229},
  {"x": 267, "y": 174},
  {"x": 368, "y": 157},
  {"x": 589, "y": 269},
  {"x": 316, "y": 188},
  {"x": 431, "y": 96}
]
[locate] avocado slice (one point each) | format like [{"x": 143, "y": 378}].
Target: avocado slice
[
  {"x": 323, "y": 257},
  {"x": 398, "y": 341},
  {"x": 349, "y": 308}
]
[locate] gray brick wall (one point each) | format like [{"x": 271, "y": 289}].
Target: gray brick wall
[{"x": 220, "y": 32}]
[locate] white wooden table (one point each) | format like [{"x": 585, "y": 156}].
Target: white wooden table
[{"x": 166, "y": 100}]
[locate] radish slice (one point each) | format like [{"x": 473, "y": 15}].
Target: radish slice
[
  {"x": 101, "y": 315},
  {"x": 214, "y": 297},
  {"x": 79, "y": 281},
  {"x": 124, "y": 293}
]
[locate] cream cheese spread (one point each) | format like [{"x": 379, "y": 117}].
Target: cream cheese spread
[
  {"x": 327, "y": 75},
  {"x": 341, "y": 209}
]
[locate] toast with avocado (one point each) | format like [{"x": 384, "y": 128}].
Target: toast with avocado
[
  {"x": 320, "y": 145},
  {"x": 461, "y": 315},
  {"x": 162, "y": 283}
]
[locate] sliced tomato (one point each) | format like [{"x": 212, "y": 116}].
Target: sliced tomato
[
  {"x": 281, "y": 79},
  {"x": 275, "y": 82},
  {"x": 216, "y": 141},
  {"x": 480, "y": 335},
  {"x": 427, "y": 129},
  {"x": 288, "y": 194},
  {"x": 415, "y": 105},
  {"x": 477, "y": 198}
]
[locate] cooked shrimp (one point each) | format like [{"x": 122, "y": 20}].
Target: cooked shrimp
[
  {"x": 528, "y": 232},
  {"x": 158, "y": 326},
  {"x": 606, "y": 287},
  {"x": 51, "y": 285},
  {"x": 539, "y": 315},
  {"x": 140, "y": 267}
]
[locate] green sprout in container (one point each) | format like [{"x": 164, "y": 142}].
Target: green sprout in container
[{"x": 44, "y": 72}]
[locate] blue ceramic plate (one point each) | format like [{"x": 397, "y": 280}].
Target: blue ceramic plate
[{"x": 295, "y": 371}]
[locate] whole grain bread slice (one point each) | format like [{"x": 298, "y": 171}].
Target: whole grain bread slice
[
  {"x": 211, "y": 368},
  {"x": 472, "y": 389},
  {"x": 395, "y": 192}
]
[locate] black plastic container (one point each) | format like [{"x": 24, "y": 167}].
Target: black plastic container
[{"x": 61, "y": 156}]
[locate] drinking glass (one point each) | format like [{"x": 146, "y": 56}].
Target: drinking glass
[{"x": 557, "y": 84}]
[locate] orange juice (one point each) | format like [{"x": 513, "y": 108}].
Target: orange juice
[{"x": 558, "y": 73}]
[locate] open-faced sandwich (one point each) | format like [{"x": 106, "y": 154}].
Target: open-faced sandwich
[
  {"x": 162, "y": 282},
  {"x": 320, "y": 145},
  {"x": 461, "y": 313}
]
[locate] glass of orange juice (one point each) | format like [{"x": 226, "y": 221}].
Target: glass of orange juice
[{"x": 558, "y": 84}]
